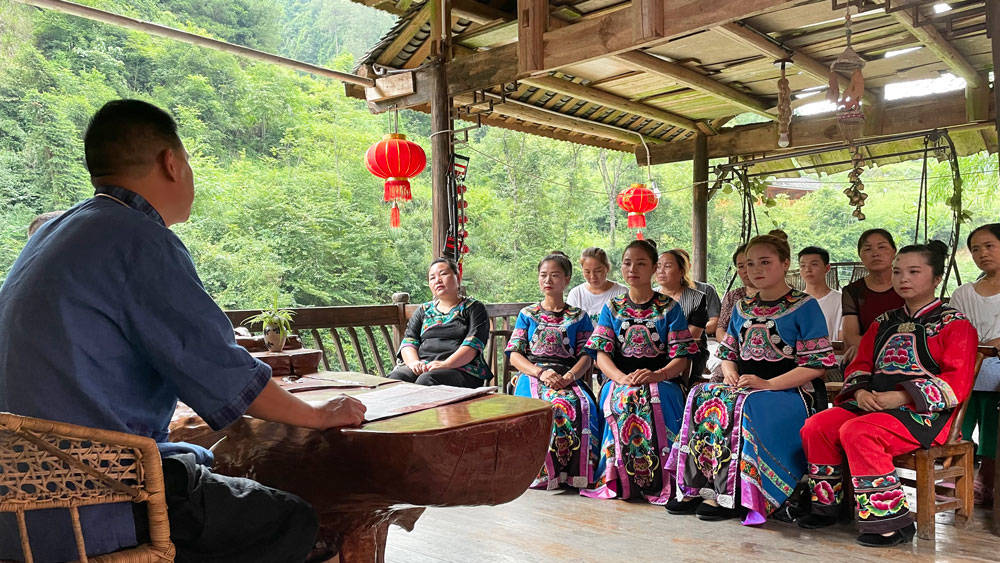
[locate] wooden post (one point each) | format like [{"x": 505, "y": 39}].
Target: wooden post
[
  {"x": 441, "y": 126},
  {"x": 993, "y": 28},
  {"x": 532, "y": 22},
  {"x": 699, "y": 209}
]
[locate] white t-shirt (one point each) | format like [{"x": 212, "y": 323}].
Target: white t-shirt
[
  {"x": 581, "y": 297},
  {"x": 984, "y": 314},
  {"x": 833, "y": 309}
]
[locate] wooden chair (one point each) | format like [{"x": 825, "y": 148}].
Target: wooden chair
[
  {"x": 955, "y": 459},
  {"x": 47, "y": 464}
]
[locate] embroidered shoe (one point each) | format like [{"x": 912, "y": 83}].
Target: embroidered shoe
[
  {"x": 683, "y": 506},
  {"x": 900, "y": 536},
  {"x": 814, "y": 521},
  {"x": 713, "y": 513}
]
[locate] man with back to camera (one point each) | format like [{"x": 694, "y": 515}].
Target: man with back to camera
[{"x": 106, "y": 324}]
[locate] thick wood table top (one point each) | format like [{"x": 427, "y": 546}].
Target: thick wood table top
[{"x": 484, "y": 450}]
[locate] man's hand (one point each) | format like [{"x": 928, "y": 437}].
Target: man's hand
[
  {"x": 340, "y": 412},
  {"x": 867, "y": 401}
]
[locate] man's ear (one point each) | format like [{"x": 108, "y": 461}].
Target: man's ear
[{"x": 169, "y": 163}]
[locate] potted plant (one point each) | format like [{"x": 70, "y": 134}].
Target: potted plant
[{"x": 276, "y": 324}]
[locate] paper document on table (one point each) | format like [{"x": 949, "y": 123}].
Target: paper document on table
[{"x": 403, "y": 399}]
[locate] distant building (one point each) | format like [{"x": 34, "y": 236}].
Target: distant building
[{"x": 794, "y": 188}]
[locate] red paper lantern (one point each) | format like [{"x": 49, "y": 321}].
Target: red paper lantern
[
  {"x": 637, "y": 200},
  {"x": 395, "y": 160}
]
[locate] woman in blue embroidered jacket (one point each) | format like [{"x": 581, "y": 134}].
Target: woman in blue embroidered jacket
[
  {"x": 445, "y": 337},
  {"x": 915, "y": 365},
  {"x": 739, "y": 444},
  {"x": 546, "y": 346},
  {"x": 642, "y": 343}
]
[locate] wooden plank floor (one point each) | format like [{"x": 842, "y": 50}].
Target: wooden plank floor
[{"x": 562, "y": 526}]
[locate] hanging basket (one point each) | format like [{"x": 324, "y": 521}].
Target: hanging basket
[{"x": 851, "y": 124}]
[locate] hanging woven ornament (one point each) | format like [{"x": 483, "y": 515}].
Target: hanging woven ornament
[
  {"x": 637, "y": 200},
  {"x": 784, "y": 106},
  {"x": 850, "y": 118}
]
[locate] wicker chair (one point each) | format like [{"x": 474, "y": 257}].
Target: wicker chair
[{"x": 46, "y": 464}]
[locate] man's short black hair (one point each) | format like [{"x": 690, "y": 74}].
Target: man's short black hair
[
  {"x": 823, "y": 254},
  {"x": 125, "y": 137}
]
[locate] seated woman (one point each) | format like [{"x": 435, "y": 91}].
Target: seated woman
[
  {"x": 674, "y": 279},
  {"x": 872, "y": 295},
  {"x": 739, "y": 442},
  {"x": 546, "y": 347},
  {"x": 445, "y": 337},
  {"x": 730, "y": 299},
  {"x": 642, "y": 342},
  {"x": 597, "y": 290},
  {"x": 980, "y": 301},
  {"x": 914, "y": 366}
]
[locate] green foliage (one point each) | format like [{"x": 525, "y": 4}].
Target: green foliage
[
  {"x": 274, "y": 317},
  {"x": 284, "y": 205}
]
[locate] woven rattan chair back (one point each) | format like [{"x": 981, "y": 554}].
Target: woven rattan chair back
[{"x": 46, "y": 464}]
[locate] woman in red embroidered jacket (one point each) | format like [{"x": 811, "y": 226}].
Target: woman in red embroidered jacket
[{"x": 900, "y": 394}]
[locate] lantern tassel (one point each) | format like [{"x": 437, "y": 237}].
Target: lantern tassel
[
  {"x": 394, "y": 220},
  {"x": 639, "y": 235},
  {"x": 636, "y": 220}
]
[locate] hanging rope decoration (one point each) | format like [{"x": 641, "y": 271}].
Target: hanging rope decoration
[
  {"x": 850, "y": 118},
  {"x": 784, "y": 106},
  {"x": 637, "y": 200},
  {"x": 456, "y": 245},
  {"x": 395, "y": 160}
]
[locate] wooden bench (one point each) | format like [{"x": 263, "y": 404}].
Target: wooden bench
[{"x": 365, "y": 338}]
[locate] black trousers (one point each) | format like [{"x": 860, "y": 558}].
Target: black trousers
[
  {"x": 452, "y": 377},
  {"x": 215, "y": 518}
]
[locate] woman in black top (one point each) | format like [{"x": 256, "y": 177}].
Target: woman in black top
[{"x": 445, "y": 337}]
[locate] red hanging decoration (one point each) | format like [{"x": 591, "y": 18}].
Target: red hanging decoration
[
  {"x": 396, "y": 160},
  {"x": 637, "y": 200},
  {"x": 394, "y": 216}
]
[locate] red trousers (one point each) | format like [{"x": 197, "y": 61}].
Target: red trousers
[{"x": 870, "y": 441}]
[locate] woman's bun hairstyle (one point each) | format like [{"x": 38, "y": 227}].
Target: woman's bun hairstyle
[{"x": 935, "y": 253}]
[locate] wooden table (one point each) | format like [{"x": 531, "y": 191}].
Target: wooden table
[{"x": 483, "y": 451}]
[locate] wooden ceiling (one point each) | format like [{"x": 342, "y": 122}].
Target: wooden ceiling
[{"x": 604, "y": 72}]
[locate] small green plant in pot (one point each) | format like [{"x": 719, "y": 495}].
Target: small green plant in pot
[{"x": 276, "y": 324}]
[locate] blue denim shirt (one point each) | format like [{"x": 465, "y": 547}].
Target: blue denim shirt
[{"x": 105, "y": 323}]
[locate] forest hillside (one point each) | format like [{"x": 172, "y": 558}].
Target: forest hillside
[{"x": 284, "y": 203}]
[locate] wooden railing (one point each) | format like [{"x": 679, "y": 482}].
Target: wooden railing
[{"x": 366, "y": 337}]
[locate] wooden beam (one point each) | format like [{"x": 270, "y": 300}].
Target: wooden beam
[
  {"x": 478, "y": 12},
  {"x": 931, "y": 38},
  {"x": 158, "y": 30},
  {"x": 607, "y": 99},
  {"x": 532, "y": 22},
  {"x": 648, "y": 23},
  {"x": 507, "y": 122},
  {"x": 541, "y": 116},
  {"x": 695, "y": 80},
  {"x": 403, "y": 37},
  {"x": 699, "y": 208},
  {"x": 596, "y": 38},
  {"x": 903, "y": 116},
  {"x": 757, "y": 40}
]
